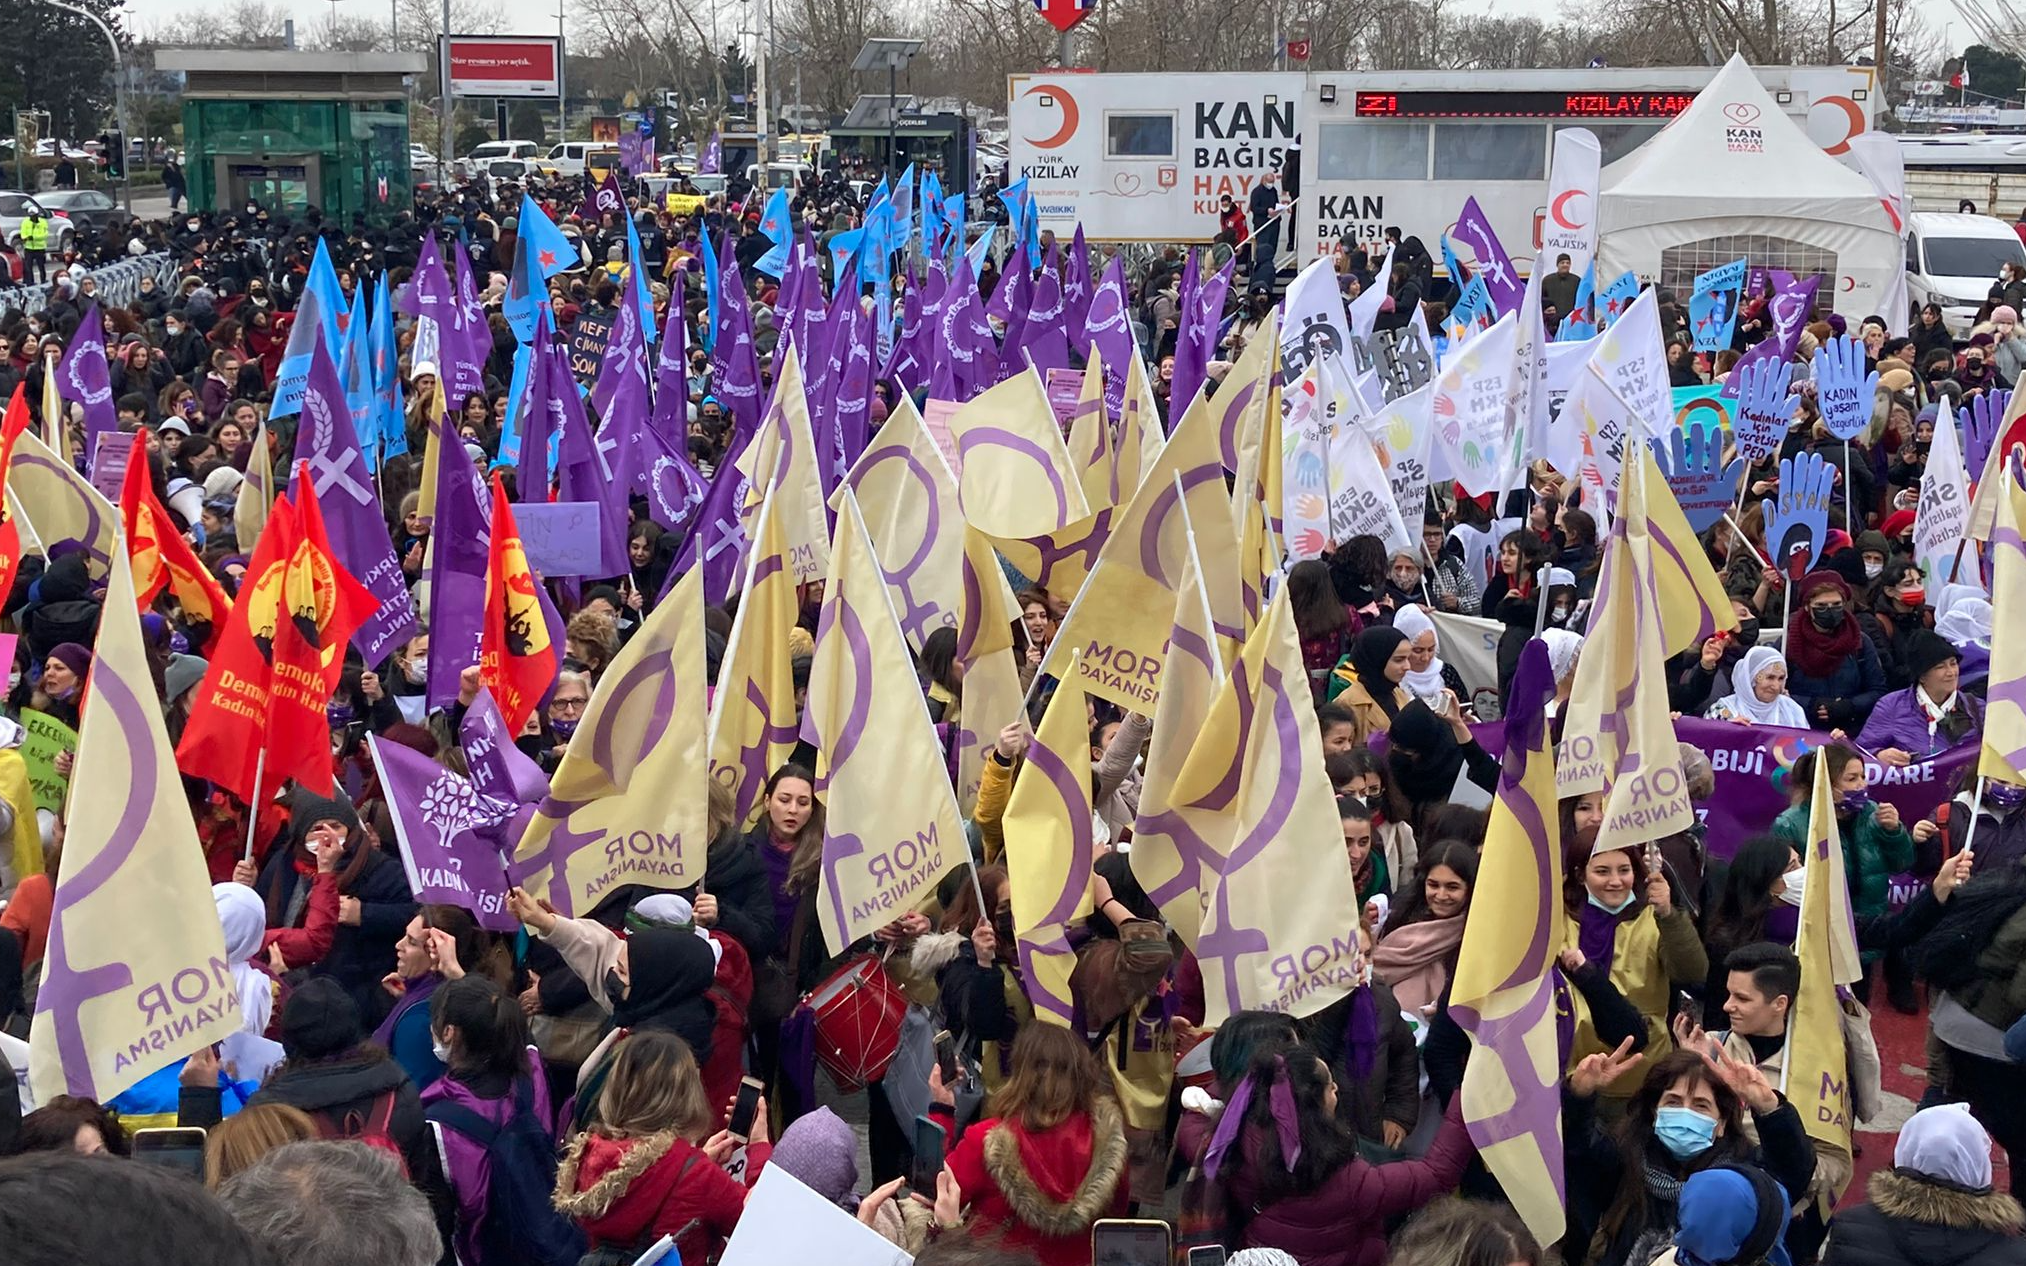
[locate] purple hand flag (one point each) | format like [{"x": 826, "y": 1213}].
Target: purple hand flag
[{"x": 328, "y": 448}]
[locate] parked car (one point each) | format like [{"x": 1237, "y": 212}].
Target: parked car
[
  {"x": 475, "y": 162},
  {"x": 14, "y": 208},
  {"x": 1952, "y": 259},
  {"x": 92, "y": 209}
]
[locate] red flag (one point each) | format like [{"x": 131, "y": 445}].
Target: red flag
[
  {"x": 516, "y": 659},
  {"x": 231, "y": 709},
  {"x": 14, "y": 423},
  {"x": 161, "y": 558},
  {"x": 325, "y": 605}
]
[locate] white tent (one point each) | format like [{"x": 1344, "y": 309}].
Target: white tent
[{"x": 1733, "y": 177}]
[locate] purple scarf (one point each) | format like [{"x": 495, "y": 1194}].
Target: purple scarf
[
  {"x": 1361, "y": 1033},
  {"x": 416, "y": 995},
  {"x": 1280, "y": 1100},
  {"x": 1783, "y": 922},
  {"x": 1597, "y": 932}
]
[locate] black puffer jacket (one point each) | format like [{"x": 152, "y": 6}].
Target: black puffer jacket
[
  {"x": 1910, "y": 1221},
  {"x": 736, "y": 876}
]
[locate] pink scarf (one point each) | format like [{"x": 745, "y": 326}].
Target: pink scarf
[{"x": 1414, "y": 960}]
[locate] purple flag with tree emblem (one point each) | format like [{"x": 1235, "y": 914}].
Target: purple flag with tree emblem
[
  {"x": 438, "y": 816},
  {"x": 735, "y": 368},
  {"x": 1501, "y": 281},
  {"x": 498, "y": 768},
  {"x": 83, "y": 376},
  {"x": 1106, "y": 328},
  {"x": 462, "y": 533},
  {"x": 328, "y": 447}
]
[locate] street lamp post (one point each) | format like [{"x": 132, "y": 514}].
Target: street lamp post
[
  {"x": 891, "y": 56},
  {"x": 119, "y": 92}
]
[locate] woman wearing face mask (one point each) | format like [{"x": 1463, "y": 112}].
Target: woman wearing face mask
[
  {"x": 1377, "y": 663},
  {"x": 1688, "y": 1116},
  {"x": 1929, "y": 716},
  {"x": 1365, "y": 781},
  {"x": 1976, "y": 372},
  {"x": 493, "y": 1082},
  {"x": 1623, "y": 921},
  {"x": 1428, "y": 753},
  {"x": 1759, "y": 696},
  {"x": 1876, "y": 844},
  {"x": 1833, "y": 669},
  {"x": 399, "y": 692},
  {"x": 1760, "y": 900},
  {"x": 1896, "y": 611},
  {"x": 1417, "y": 954},
  {"x": 980, "y": 992}
]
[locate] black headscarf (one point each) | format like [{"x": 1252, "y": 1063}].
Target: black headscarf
[
  {"x": 669, "y": 971},
  {"x": 1369, "y": 652},
  {"x": 1423, "y": 754}
]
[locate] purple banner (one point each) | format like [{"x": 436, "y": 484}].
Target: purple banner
[
  {"x": 438, "y": 817},
  {"x": 1501, "y": 281}
]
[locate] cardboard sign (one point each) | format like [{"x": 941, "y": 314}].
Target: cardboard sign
[
  {"x": 1065, "y": 389},
  {"x": 47, "y": 737},
  {"x": 936, "y": 416},
  {"x": 560, "y": 537},
  {"x": 785, "y": 1222},
  {"x": 587, "y": 345},
  {"x": 684, "y": 203},
  {"x": 109, "y": 460}
]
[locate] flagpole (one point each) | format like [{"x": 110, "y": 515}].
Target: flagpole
[
  {"x": 1976, "y": 810},
  {"x": 1541, "y": 609},
  {"x": 1849, "y": 511},
  {"x": 1739, "y": 530},
  {"x": 253, "y": 805}
]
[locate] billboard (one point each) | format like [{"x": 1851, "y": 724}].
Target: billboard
[
  {"x": 1146, "y": 157},
  {"x": 505, "y": 65}
]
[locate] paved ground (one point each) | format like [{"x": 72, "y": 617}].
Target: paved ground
[{"x": 1902, "y": 1049}]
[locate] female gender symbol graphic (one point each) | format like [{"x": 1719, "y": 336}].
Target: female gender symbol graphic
[{"x": 918, "y": 615}]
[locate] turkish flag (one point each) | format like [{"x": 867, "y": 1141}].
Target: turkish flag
[
  {"x": 516, "y": 659},
  {"x": 324, "y": 605},
  {"x": 231, "y": 708},
  {"x": 162, "y": 559}
]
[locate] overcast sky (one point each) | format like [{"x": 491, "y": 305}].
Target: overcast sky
[{"x": 150, "y": 16}]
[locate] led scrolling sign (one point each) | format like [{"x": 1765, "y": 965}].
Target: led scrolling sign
[{"x": 1521, "y": 105}]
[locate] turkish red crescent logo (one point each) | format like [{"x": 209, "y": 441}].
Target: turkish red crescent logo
[
  {"x": 1560, "y": 210},
  {"x": 1856, "y": 122},
  {"x": 1070, "y": 115},
  {"x": 1741, "y": 112}
]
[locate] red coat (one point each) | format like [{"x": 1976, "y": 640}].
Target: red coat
[
  {"x": 732, "y": 995},
  {"x": 627, "y": 1193},
  {"x": 1343, "y": 1222},
  {"x": 1042, "y": 1190}
]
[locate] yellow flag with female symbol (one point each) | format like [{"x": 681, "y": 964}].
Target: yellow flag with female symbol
[
  {"x": 1815, "y": 1075},
  {"x": 1090, "y": 440},
  {"x": 986, "y": 617},
  {"x": 1048, "y": 872},
  {"x": 909, "y": 499},
  {"x": 783, "y": 453},
  {"x": 1016, "y": 478},
  {"x": 752, "y": 721}
]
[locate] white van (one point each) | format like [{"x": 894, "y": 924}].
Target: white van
[
  {"x": 568, "y": 158},
  {"x": 1952, "y": 259},
  {"x": 475, "y": 163}
]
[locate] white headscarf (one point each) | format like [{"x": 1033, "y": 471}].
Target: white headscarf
[
  {"x": 1425, "y": 685},
  {"x": 1946, "y": 1142},
  {"x": 244, "y": 917},
  {"x": 1743, "y": 700},
  {"x": 1563, "y": 647}
]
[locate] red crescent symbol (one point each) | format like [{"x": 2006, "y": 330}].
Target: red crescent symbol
[
  {"x": 1556, "y": 209},
  {"x": 1857, "y": 124},
  {"x": 1849, "y": 284},
  {"x": 1069, "y": 116}
]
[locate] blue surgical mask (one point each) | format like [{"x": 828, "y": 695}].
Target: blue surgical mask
[
  {"x": 1620, "y": 908},
  {"x": 1684, "y": 1132}
]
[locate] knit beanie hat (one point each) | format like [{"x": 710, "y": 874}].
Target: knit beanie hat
[
  {"x": 320, "y": 1020},
  {"x": 820, "y": 1150},
  {"x": 73, "y": 655},
  {"x": 1926, "y": 650},
  {"x": 307, "y": 809}
]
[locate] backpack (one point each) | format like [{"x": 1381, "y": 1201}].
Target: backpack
[
  {"x": 370, "y": 1130},
  {"x": 522, "y": 1226}
]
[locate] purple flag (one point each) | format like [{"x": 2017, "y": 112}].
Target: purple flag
[
  {"x": 670, "y": 417},
  {"x": 462, "y": 533},
  {"x": 549, "y": 384},
  {"x": 438, "y": 817},
  {"x": 605, "y": 198},
  {"x": 1106, "y": 328},
  {"x": 905, "y": 365},
  {"x": 1792, "y": 298},
  {"x": 619, "y": 393},
  {"x": 712, "y": 157},
  {"x": 1196, "y": 341},
  {"x": 717, "y": 541},
  {"x": 1493, "y": 264},
  {"x": 1015, "y": 290},
  {"x": 1043, "y": 337},
  {"x": 498, "y": 768},
  {"x": 428, "y": 292},
  {"x": 83, "y": 376},
  {"x": 468, "y": 343},
  {"x": 1076, "y": 285},
  {"x": 799, "y": 310},
  {"x": 582, "y": 473},
  {"x": 662, "y": 474},
  {"x": 735, "y": 369},
  {"x": 852, "y": 398},
  {"x": 328, "y": 447},
  {"x": 968, "y": 361}
]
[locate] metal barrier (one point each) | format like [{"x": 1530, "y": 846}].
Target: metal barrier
[{"x": 119, "y": 284}]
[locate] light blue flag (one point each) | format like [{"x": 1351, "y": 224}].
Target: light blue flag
[
  {"x": 393, "y": 422},
  {"x": 517, "y": 392},
  {"x": 841, "y": 247},
  {"x": 355, "y": 372},
  {"x": 953, "y": 211},
  {"x": 294, "y": 372},
  {"x": 905, "y": 204},
  {"x": 323, "y": 283},
  {"x": 1450, "y": 264},
  {"x": 1618, "y": 296},
  {"x": 1577, "y": 322},
  {"x": 878, "y": 238},
  {"x": 541, "y": 252},
  {"x": 935, "y": 217},
  {"x": 712, "y": 284},
  {"x": 979, "y": 249},
  {"x": 774, "y": 222},
  {"x": 636, "y": 269}
]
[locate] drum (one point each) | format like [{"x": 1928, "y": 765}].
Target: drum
[{"x": 858, "y": 1013}]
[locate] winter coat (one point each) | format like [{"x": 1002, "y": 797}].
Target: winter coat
[
  {"x": 1343, "y": 1222},
  {"x": 627, "y": 1193},
  {"x": 1391, "y": 1091},
  {"x": 361, "y": 955},
  {"x": 1872, "y": 855},
  {"x": 1897, "y": 722},
  {"x": 1909, "y": 1221},
  {"x": 738, "y": 879},
  {"x": 467, "y": 1166},
  {"x": 1042, "y": 1189},
  {"x": 1852, "y": 691}
]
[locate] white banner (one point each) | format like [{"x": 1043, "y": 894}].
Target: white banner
[{"x": 1570, "y": 224}]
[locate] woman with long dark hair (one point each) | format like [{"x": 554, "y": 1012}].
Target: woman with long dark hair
[
  {"x": 1417, "y": 954},
  {"x": 1322, "y": 623},
  {"x": 1759, "y": 900}
]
